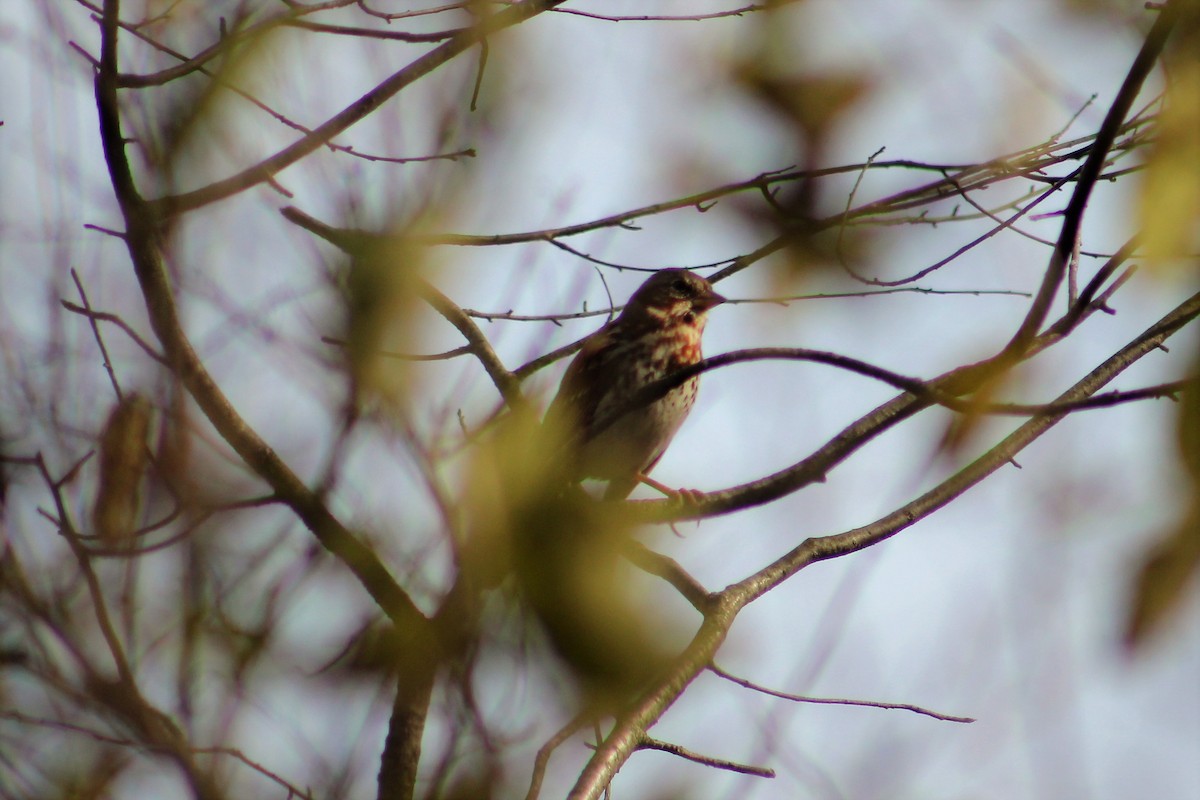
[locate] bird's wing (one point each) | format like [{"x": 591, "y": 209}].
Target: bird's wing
[{"x": 583, "y": 386}]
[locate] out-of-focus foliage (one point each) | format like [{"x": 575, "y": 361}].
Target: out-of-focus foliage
[
  {"x": 124, "y": 452},
  {"x": 1172, "y": 564},
  {"x": 1170, "y": 192},
  {"x": 560, "y": 555},
  {"x": 1170, "y": 219},
  {"x": 381, "y": 301},
  {"x": 174, "y": 623}
]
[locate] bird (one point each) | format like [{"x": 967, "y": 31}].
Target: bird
[{"x": 657, "y": 333}]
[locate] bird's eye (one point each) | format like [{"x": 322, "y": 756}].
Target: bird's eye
[{"x": 681, "y": 286}]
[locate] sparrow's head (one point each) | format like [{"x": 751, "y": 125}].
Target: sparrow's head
[{"x": 673, "y": 297}]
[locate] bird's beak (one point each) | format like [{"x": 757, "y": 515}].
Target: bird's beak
[{"x": 709, "y": 300}]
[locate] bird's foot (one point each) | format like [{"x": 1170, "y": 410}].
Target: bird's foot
[{"x": 681, "y": 496}]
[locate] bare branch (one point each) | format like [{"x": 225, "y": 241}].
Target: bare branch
[
  {"x": 1146, "y": 58},
  {"x": 666, "y": 747},
  {"x": 510, "y": 316},
  {"x": 733, "y": 12},
  {"x": 1023, "y": 164},
  {"x": 103, "y": 619},
  {"x": 445, "y": 356},
  {"x": 927, "y": 392},
  {"x": 373, "y": 33},
  {"x": 669, "y": 570},
  {"x": 819, "y": 549},
  {"x": 631, "y": 725},
  {"x": 120, "y": 323},
  {"x": 390, "y": 16},
  {"x": 799, "y": 698},
  {"x": 1000, "y": 227},
  {"x": 639, "y": 716},
  {"x": 100, "y": 736},
  {"x": 544, "y": 752},
  {"x": 122, "y": 696},
  {"x": 108, "y": 367},
  {"x": 143, "y": 242},
  {"x": 506, "y": 382},
  {"x": 461, "y": 42}
]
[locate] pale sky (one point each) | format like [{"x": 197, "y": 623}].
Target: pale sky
[{"x": 1005, "y": 606}]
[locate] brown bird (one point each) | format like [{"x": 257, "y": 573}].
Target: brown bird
[{"x": 656, "y": 334}]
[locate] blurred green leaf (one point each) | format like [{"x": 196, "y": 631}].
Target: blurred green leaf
[
  {"x": 192, "y": 129},
  {"x": 563, "y": 550},
  {"x": 1163, "y": 579},
  {"x": 123, "y": 459},
  {"x": 1174, "y": 559},
  {"x": 381, "y": 299},
  {"x": 1170, "y": 195},
  {"x": 813, "y": 103}
]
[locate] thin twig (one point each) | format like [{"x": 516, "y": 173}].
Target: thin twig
[
  {"x": 1146, "y": 58},
  {"x": 219, "y": 190},
  {"x": 1022, "y": 164},
  {"x": 108, "y": 367},
  {"x": 733, "y": 12},
  {"x": 799, "y": 698},
  {"x": 65, "y": 527},
  {"x": 510, "y": 316},
  {"x": 142, "y": 241},
  {"x": 104, "y": 316},
  {"x": 638, "y": 717},
  {"x": 445, "y": 356},
  {"x": 669, "y": 570},
  {"x": 542, "y": 759},
  {"x": 105, "y": 738},
  {"x": 648, "y": 743},
  {"x": 924, "y": 390},
  {"x": 372, "y": 33},
  {"x": 506, "y": 382}
]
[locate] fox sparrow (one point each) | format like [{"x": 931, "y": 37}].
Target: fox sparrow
[{"x": 656, "y": 334}]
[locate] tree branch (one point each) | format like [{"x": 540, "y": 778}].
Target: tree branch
[
  {"x": 143, "y": 240},
  {"x": 666, "y": 747},
  {"x": 1022, "y": 164},
  {"x": 632, "y": 724},
  {"x": 349, "y": 242},
  {"x": 669, "y": 570},
  {"x": 799, "y": 698},
  {"x": 1165, "y": 22},
  {"x": 542, "y": 759},
  {"x": 356, "y": 111},
  {"x": 104, "y": 316}
]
